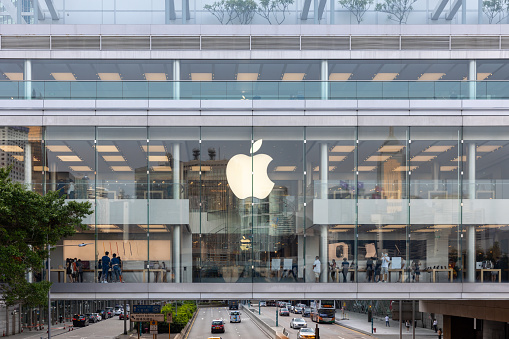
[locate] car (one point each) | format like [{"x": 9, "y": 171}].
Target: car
[
  {"x": 297, "y": 310},
  {"x": 217, "y": 326},
  {"x": 80, "y": 320},
  {"x": 117, "y": 310},
  {"x": 284, "y": 312},
  {"x": 103, "y": 314},
  {"x": 306, "y": 333},
  {"x": 298, "y": 323},
  {"x": 306, "y": 312},
  {"x": 109, "y": 310},
  {"x": 98, "y": 316},
  {"x": 263, "y": 304},
  {"x": 235, "y": 316},
  {"x": 121, "y": 316},
  {"x": 91, "y": 317}
]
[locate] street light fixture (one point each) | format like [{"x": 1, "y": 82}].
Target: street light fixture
[{"x": 49, "y": 280}]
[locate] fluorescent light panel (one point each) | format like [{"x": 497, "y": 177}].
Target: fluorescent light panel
[
  {"x": 342, "y": 149},
  {"x": 40, "y": 168},
  {"x": 331, "y": 168},
  {"x": 404, "y": 168},
  {"x": 430, "y": 76},
  {"x": 69, "y": 158},
  {"x": 63, "y": 76},
  {"x": 378, "y": 158},
  {"x": 483, "y": 76},
  {"x": 161, "y": 168},
  {"x": 203, "y": 168},
  {"x": 394, "y": 226},
  {"x": 285, "y": 168},
  {"x": 14, "y": 76},
  {"x": 365, "y": 168},
  {"x": 107, "y": 148},
  {"x": 385, "y": 76},
  {"x": 247, "y": 76},
  {"x": 448, "y": 168},
  {"x": 153, "y": 148},
  {"x": 488, "y": 148},
  {"x": 201, "y": 76},
  {"x": 80, "y": 168},
  {"x": 155, "y": 76},
  {"x": 438, "y": 149},
  {"x": 158, "y": 158},
  {"x": 293, "y": 76},
  {"x": 58, "y": 148},
  {"x": 339, "y": 76},
  {"x": 18, "y": 157},
  {"x": 343, "y": 226},
  {"x": 423, "y": 158},
  {"x": 109, "y": 76},
  {"x": 337, "y": 157},
  {"x": 121, "y": 168},
  {"x": 11, "y": 148},
  {"x": 113, "y": 158},
  {"x": 391, "y": 148},
  {"x": 443, "y": 226}
]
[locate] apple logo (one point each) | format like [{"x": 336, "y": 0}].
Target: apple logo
[{"x": 245, "y": 182}]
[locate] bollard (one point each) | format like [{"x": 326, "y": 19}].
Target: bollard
[{"x": 374, "y": 329}]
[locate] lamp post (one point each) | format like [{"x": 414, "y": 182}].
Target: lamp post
[{"x": 49, "y": 280}]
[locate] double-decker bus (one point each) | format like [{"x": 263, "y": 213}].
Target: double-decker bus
[
  {"x": 323, "y": 311},
  {"x": 233, "y": 304}
]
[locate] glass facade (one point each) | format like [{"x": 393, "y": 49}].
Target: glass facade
[{"x": 259, "y": 204}]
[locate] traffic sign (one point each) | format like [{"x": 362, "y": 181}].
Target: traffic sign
[
  {"x": 153, "y": 327},
  {"x": 147, "y": 317},
  {"x": 146, "y": 308},
  {"x": 169, "y": 318}
]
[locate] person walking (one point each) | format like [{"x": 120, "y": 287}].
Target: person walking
[
  {"x": 387, "y": 324},
  {"x": 115, "y": 265},
  {"x": 344, "y": 268},
  {"x": 435, "y": 325},
  {"x": 317, "y": 269},
  {"x": 106, "y": 266},
  {"x": 79, "y": 266}
]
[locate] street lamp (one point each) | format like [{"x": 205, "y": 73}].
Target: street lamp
[{"x": 49, "y": 280}]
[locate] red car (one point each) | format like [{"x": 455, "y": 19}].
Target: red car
[
  {"x": 284, "y": 311},
  {"x": 121, "y": 316},
  {"x": 217, "y": 326}
]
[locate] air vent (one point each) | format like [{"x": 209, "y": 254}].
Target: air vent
[
  {"x": 375, "y": 42},
  {"x": 76, "y": 42},
  {"x": 275, "y": 42},
  {"x": 425, "y": 42},
  {"x": 505, "y": 42},
  {"x": 225, "y": 42},
  {"x": 176, "y": 42},
  {"x": 125, "y": 43},
  {"x": 325, "y": 42},
  {"x": 475, "y": 42},
  {"x": 25, "y": 42}
]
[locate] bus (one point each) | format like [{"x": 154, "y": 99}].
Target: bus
[
  {"x": 233, "y": 304},
  {"x": 323, "y": 311}
]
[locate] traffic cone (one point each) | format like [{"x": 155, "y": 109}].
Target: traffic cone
[{"x": 3, "y": 334}]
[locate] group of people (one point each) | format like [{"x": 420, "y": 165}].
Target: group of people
[
  {"x": 74, "y": 270},
  {"x": 110, "y": 269},
  {"x": 345, "y": 266}
]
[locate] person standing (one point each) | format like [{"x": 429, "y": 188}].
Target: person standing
[
  {"x": 68, "y": 269},
  {"x": 106, "y": 266},
  {"x": 344, "y": 268},
  {"x": 378, "y": 267},
  {"x": 317, "y": 269},
  {"x": 439, "y": 333},
  {"x": 369, "y": 269},
  {"x": 407, "y": 325},
  {"x": 79, "y": 267},
  {"x": 99, "y": 270},
  {"x": 115, "y": 265},
  {"x": 70, "y": 190},
  {"x": 121, "y": 268},
  {"x": 435, "y": 325},
  {"x": 387, "y": 324},
  {"x": 332, "y": 268},
  {"x": 385, "y": 266},
  {"x": 74, "y": 270}
]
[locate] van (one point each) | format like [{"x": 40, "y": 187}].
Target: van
[{"x": 235, "y": 316}]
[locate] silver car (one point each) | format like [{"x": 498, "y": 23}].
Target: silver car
[{"x": 298, "y": 323}]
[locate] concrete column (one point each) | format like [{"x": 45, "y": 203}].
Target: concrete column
[
  {"x": 332, "y": 20},
  {"x": 27, "y": 77},
  {"x": 36, "y": 11},
  {"x": 324, "y": 77},
  {"x": 472, "y": 77},
  {"x": 167, "y": 12},
  {"x": 471, "y": 170},
  {"x": 324, "y": 173},
  {"x": 436, "y": 175},
  {"x": 176, "y": 252},
  {"x": 53, "y": 176},
  {"x": 184, "y": 11},
  {"x": 176, "y": 79},
  {"x": 470, "y": 228},
  {"x": 176, "y": 170}
]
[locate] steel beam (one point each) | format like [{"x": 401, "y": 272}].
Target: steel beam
[
  {"x": 52, "y": 9},
  {"x": 321, "y": 8},
  {"x": 438, "y": 9},
  {"x": 305, "y": 10},
  {"x": 455, "y": 7},
  {"x": 13, "y": 11}
]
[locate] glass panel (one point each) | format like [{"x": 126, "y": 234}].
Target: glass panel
[
  {"x": 57, "y": 90},
  {"x": 395, "y": 90},
  {"x": 84, "y": 89},
  {"x": 11, "y": 90},
  {"x": 161, "y": 90},
  {"x": 277, "y": 230},
  {"x": 265, "y": 90},
  {"x": 109, "y": 90},
  {"x": 135, "y": 90},
  {"x": 291, "y": 90},
  {"x": 343, "y": 90}
]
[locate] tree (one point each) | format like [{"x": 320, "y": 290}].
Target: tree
[
  {"x": 398, "y": 10},
  {"x": 277, "y": 8},
  {"x": 357, "y": 7},
  {"x": 492, "y": 8},
  {"x": 28, "y": 223},
  {"x": 231, "y": 11}
]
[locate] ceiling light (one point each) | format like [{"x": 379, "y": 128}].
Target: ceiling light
[
  {"x": 201, "y": 76},
  {"x": 107, "y": 148},
  {"x": 80, "y": 168},
  {"x": 487, "y": 148},
  {"x": 337, "y": 157},
  {"x": 121, "y": 168},
  {"x": 161, "y": 168},
  {"x": 339, "y": 76},
  {"x": 343, "y": 226},
  {"x": 109, "y": 76},
  {"x": 105, "y": 227},
  {"x": 483, "y": 76},
  {"x": 448, "y": 168},
  {"x": 18, "y": 157},
  {"x": 443, "y": 226},
  {"x": 380, "y": 230},
  {"x": 464, "y": 158},
  {"x": 155, "y": 76},
  {"x": 342, "y": 149},
  {"x": 378, "y": 158},
  {"x": 394, "y": 226},
  {"x": 40, "y": 168},
  {"x": 430, "y": 76},
  {"x": 391, "y": 148},
  {"x": 385, "y": 76},
  {"x": 69, "y": 158},
  {"x": 201, "y": 168},
  {"x": 423, "y": 158},
  {"x": 285, "y": 168},
  {"x": 153, "y": 148},
  {"x": 63, "y": 76},
  {"x": 163, "y": 158},
  {"x": 338, "y": 230},
  {"x": 405, "y": 168},
  {"x": 293, "y": 76},
  {"x": 14, "y": 76},
  {"x": 424, "y": 230},
  {"x": 331, "y": 168},
  {"x": 11, "y": 148},
  {"x": 247, "y": 76},
  {"x": 365, "y": 168},
  {"x": 58, "y": 148},
  {"x": 113, "y": 158},
  {"x": 438, "y": 149}
]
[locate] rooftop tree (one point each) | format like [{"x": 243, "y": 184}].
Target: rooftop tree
[
  {"x": 398, "y": 10},
  {"x": 493, "y": 8},
  {"x": 357, "y": 7}
]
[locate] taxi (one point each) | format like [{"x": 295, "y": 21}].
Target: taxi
[
  {"x": 217, "y": 326},
  {"x": 306, "y": 333}
]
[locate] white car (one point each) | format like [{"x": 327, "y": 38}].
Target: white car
[
  {"x": 298, "y": 323},
  {"x": 117, "y": 311},
  {"x": 263, "y": 304},
  {"x": 98, "y": 316},
  {"x": 306, "y": 333}
]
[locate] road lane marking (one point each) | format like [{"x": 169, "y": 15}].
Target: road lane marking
[{"x": 346, "y": 328}]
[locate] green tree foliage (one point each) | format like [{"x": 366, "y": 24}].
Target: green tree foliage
[
  {"x": 398, "y": 10},
  {"x": 185, "y": 311},
  {"x": 276, "y": 9},
  {"x": 28, "y": 223},
  {"x": 357, "y": 7},
  {"x": 233, "y": 11},
  {"x": 493, "y": 8}
]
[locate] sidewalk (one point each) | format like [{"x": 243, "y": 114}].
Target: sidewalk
[
  {"x": 359, "y": 322},
  {"x": 56, "y": 329}
]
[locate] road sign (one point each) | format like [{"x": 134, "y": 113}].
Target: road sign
[
  {"x": 146, "y": 308},
  {"x": 153, "y": 327},
  {"x": 147, "y": 317},
  {"x": 169, "y": 318}
]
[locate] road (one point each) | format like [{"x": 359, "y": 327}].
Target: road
[
  {"x": 106, "y": 329},
  {"x": 327, "y": 331},
  {"x": 246, "y": 329}
]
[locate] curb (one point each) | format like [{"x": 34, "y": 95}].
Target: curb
[{"x": 354, "y": 329}]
